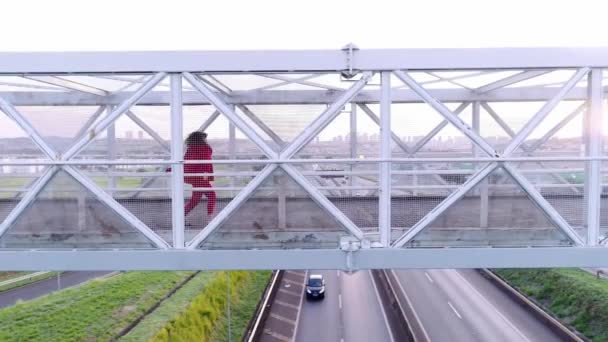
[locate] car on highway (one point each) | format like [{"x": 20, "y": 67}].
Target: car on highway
[{"x": 315, "y": 286}]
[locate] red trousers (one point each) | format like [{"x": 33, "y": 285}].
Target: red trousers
[{"x": 199, "y": 182}]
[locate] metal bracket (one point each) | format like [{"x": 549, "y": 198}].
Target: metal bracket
[{"x": 350, "y": 72}]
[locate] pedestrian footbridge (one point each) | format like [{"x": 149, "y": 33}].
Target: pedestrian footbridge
[{"x": 346, "y": 159}]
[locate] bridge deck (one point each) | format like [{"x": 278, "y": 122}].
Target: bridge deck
[{"x": 512, "y": 221}]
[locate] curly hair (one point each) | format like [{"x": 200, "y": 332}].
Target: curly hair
[{"x": 196, "y": 138}]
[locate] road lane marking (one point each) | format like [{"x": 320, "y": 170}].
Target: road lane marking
[
  {"x": 428, "y": 277},
  {"x": 277, "y": 335},
  {"x": 340, "y": 301},
  {"x": 285, "y": 304},
  {"x": 409, "y": 303},
  {"x": 454, "y": 309},
  {"x": 492, "y": 306},
  {"x": 298, "y": 283},
  {"x": 282, "y": 318},
  {"x": 390, "y": 332},
  {"x": 291, "y": 293},
  {"x": 296, "y": 326}
]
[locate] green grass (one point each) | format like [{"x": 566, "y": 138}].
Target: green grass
[
  {"x": 8, "y": 275},
  {"x": 575, "y": 296},
  {"x": 169, "y": 309},
  {"x": 204, "y": 319},
  {"x": 27, "y": 281},
  {"x": 574, "y": 177},
  {"x": 97, "y": 310},
  {"x": 121, "y": 182},
  {"x": 242, "y": 308}
]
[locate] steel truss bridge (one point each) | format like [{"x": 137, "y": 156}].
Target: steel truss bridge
[{"x": 345, "y": 159}]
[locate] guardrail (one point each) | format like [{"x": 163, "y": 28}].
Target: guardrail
[
  {"x": 527, "y": 304},
  {"x": 21, "y": 278},
  {"x": 256, "y": 324},
  {"x": 395, "y": 311}
]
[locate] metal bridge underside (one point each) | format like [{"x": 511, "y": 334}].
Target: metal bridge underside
[{"x": 346, "y": 159}]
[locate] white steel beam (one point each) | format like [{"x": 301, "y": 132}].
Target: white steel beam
[
  {"x": 544, "y": 111},
  {"x": 384, "y": 205},
  {"x": 513, "y": 79},
  {"x": 529, "y": 151},
  {"x": 353, "y": 142},
  {"x": 321, "y": 200},
  {"x": 420, "y": 143},
  {"x": 90, "y": 122},
  {"x": 68, "y": 84},
  {"x": 447, "y": 80},
  {"x": 293, "y": 80},
  {"x": 177, "y": 168},
  {"x": 255, "y": 61},
  {"x": 231, "y": 115},
  {"x": 325, "y": 118},
  {"x": 275, "y": 97},
  {"x": 238, "y": 200},
  {"x": 27, "y": 127},
  {"x": 28, "y": 199},
  {"x": 331, "y": 259},
  {"x": 109, "y": 119},
  {"x": 300, "y": 81},
  {"x": 445, "y": 204},
  {"x": 544, "y": 205},
  {"x": 87, "y": 183},
  {"x": 148, "y": 130},
  {"x": 534, "y": 146},
  {"x": 211, "y": 119},
  {"x": 394, "y": 136},
  {"x": 483, "y": 187},
  {"x": 446, "y": 113},
  {"x": 593, "y": 148},
  {"x": 111, "y": 153},
  {"x": 116, "y": 207},
  {"x": 256, "y": 120}
]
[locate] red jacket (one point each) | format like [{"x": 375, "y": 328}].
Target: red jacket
[{"x": 199, "y": 152}]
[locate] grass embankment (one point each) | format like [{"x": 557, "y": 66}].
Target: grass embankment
[
  {"x": 573, "y": 295},
  {"x": 95, "y": 311},
  {"x": 26, "y": 281},
  {"x": 205, "y": 318},
  {"x": 9, "y": 275}
]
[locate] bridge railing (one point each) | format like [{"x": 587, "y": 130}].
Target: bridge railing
[{"x": 384, "y": 157}]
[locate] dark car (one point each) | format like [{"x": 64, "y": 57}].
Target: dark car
[{"x": 315, "y": 287}]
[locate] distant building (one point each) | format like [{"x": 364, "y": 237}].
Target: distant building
[
  {"x": 140, "y": 135},
  {"x": 129, "y": 135}
]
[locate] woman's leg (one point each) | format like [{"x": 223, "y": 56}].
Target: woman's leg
[
  {"x": 193, "y": 202},
  {"x": 210, "y": 201}
]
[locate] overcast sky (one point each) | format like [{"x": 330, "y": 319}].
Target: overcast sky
[
  {"x": 63, "y": 25},
  {"x": 165, "y": 25}
]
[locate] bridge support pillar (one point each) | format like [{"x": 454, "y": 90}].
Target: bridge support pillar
[
  {"x": 384, "y": 219},
  {"x": 592, "y": 139},
  {"x": 483, "y": 185}
]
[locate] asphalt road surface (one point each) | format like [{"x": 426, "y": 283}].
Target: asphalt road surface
[
  {"x": 351, "y": 311},
  {"x": 461, "y": 305},
  {"x": 44, "y": 287}
]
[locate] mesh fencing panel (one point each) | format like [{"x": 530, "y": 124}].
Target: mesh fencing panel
[
  {"x": 280, "y": 214},
  {"x": 67, "y": 215},
  {"x": 495, "y": 212}
]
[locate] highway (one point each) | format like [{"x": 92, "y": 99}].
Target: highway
[
  {"x": 462, "y": 303},
  {"x": 351, "y": 311},
  {"x": 46, "y": 286},
  {"x": 450, "y": 305}
]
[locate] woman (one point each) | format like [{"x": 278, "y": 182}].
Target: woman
[{"x": 199, "y": 149}]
